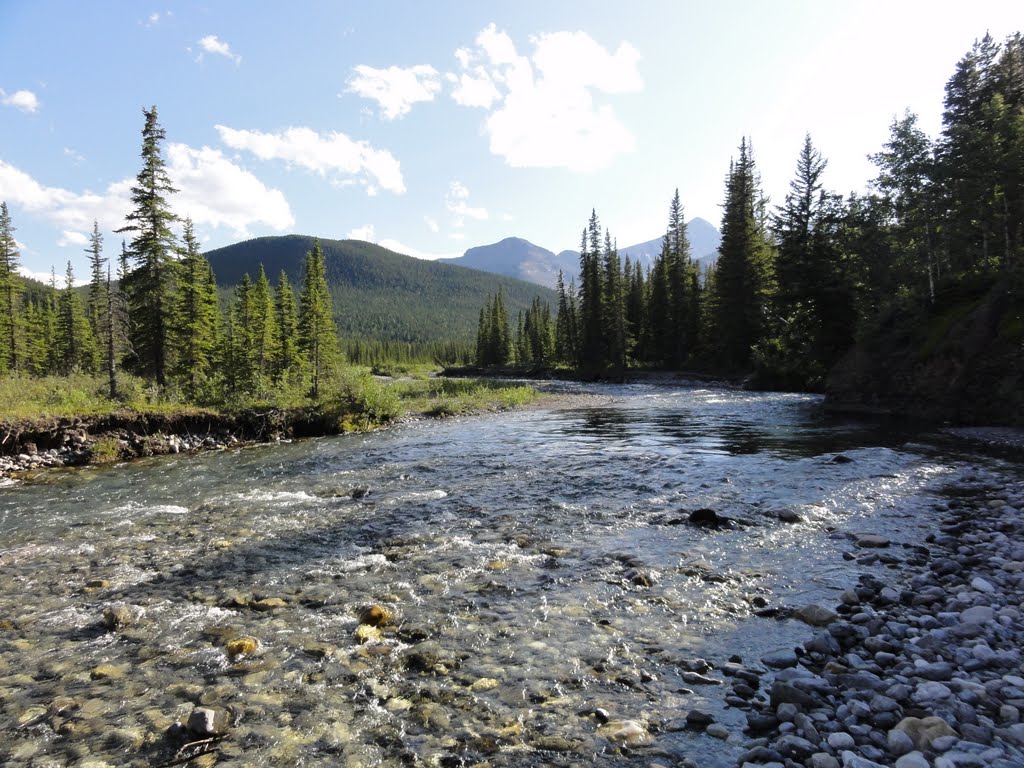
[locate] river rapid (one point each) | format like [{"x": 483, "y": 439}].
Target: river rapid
[{"x": 538, "y": 584}]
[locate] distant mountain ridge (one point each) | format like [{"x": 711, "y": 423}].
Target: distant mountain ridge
[
  {"x": 519, "y": 258},
  {"x": 379, "y": 294}
]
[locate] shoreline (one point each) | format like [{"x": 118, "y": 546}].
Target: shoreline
[{"x": 923, "y": 672}]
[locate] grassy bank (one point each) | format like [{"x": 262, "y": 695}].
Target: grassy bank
[{"x": 75, "y": 417}]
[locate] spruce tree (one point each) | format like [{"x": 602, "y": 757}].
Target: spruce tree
[
  {"x": 264, "y": 332},
  {"x": 149, "y": 286},
  {"x": 566, "y": 331},
  {"x": 744, "y": 270},
  {"x": 287, "y": 329},
  {"x": 195, "y": 320},
  {"x": 97, "y": 281},
  {"x": 74, "y": 336},
  {"x": 10, "y": 289},
  {"x": 318, "y": 337}
]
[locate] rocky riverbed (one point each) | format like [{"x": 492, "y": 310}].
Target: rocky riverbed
[
  {"x": 921, "y": 671},
  {"x": 628, "y": 582}
]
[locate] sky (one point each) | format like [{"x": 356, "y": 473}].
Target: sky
[{"x": 432, "y": 127}]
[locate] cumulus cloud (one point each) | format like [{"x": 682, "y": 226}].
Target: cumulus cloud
[
  {"x": 72, "y": 238},
  {"x": 211, "y": 44},
  {"x": 431, "y": 223},
  {"x": 24, "y": 100},
  {"x": 215, "y": 192},
  {"x": 331, "y": 153},
  {"x": 395, "y": 89},
  {"x": 545, "y": 109},
  {"x": 212, "y": 190},
  {"x": 361, "y": 233},
  {"x": 457, "y": 203}
]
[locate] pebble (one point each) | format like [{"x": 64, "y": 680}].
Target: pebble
[{"x": 920, "y": 673}]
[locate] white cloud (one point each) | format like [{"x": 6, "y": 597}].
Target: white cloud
[
  {"x": 332, "y": 152},
  {"x": 212, "y": 190},
  {"x": 431, "y": 223},
  {"x": 48, "y": 277},
  {"x": 361, "y": 233},
  {"x": 544, "y": 108},
  {"x": 215, "y": 192},
  {"x": 457, "y": 235},
  {"x": 72, "y": 238},
  {"x": 211, "y": 44},
  {"x": 397, "y": 247},
  {"x": 24, "y": 100},
  {"x": 474, "y": 88},
  {"x": 395, "y": 89},
  {"x": 456, "y": 201},
  {"x": 70, "y": 211},
  {"x": 76, "y": 157}
]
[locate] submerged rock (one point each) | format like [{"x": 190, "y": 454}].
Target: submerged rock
[
  {"x": 815, "y": 615},
  {"x": 242, "y": 646},
  {"x": 208, "y": 721},
  {"x": 628, "y": 732},
  {"x": 376, "y": 616}
]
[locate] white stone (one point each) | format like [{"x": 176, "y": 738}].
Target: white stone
[
  {"x": 981, "y": 585},
  {"x": 841, "y": 740},
  {"x": 913, "y": 760}
]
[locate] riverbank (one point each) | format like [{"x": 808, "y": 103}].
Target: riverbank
[
  {"x": 922, "y": 672},
  {"x": 32, "y": 444}
]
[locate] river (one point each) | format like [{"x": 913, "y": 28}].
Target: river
[{"x": 536, "y": 566}]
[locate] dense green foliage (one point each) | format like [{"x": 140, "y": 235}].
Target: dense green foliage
[
  {"x": 794, "y": 286},
  {"x": 379, "y": 295}
]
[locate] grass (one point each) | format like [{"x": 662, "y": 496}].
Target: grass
[
  {"x": 452, "y": 397},
  {"x": 358, "y": 399}
]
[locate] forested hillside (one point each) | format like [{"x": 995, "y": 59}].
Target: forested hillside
[{"x": 379, "y": 294}]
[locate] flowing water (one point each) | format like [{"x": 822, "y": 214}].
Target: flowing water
[{"x": 534, "y": 564}]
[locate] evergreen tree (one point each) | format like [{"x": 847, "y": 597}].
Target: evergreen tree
[
  {"x": 905, "y": 173},
  {"x": 591, "y": 295},
  {"x": 195, "y": 319},
  {"x": 613, "y": 308},
  {"x": 743, "y": 281},
  {"x": 149, "y": 286},
  {"x": 287, "y": 329},
  {"x": 566, "y": 330},
  {"x": 263, "y": 330},
  {"x": 74, "y": 337},
  {"x": 243, "y": 354},
  {"x": 499, "y": 344},
  {"x": 814, "y": 315},
  {"x": 97, "y": 282},
  {"x": 10, "y": 288},
  {"x": 318, "y": 337}
]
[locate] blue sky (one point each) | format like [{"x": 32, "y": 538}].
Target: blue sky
[{"x": 434, "y": 127}]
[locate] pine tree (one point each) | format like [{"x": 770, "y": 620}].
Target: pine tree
[
  {"x": 74, "y": 336},
  {"x": 591, "y": 295},
  {"x": 10, "y": 289},
  {"x": 613, "y": 308},
  {"x": 744, "y": 270},
  {"x": 287, "y": 329},
  {"x": 97, "y": 283},
  {"x": 243, "y": 354},
  {"x": 566, "y": 328},
  {"x": 905, "y": 172},
  {"x": 149, "y": 286},
  {"x": 195, "y": 320},
  {"x": 318, "y": 337},
  {"x": 263, "y": 330}
]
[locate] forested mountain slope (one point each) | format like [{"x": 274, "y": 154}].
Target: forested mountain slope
[{"x": 380, "y": 294}]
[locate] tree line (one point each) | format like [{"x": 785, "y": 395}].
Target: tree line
[
  {"x": 161, "y": 318},
  {"x": 795, "y": 283}
]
